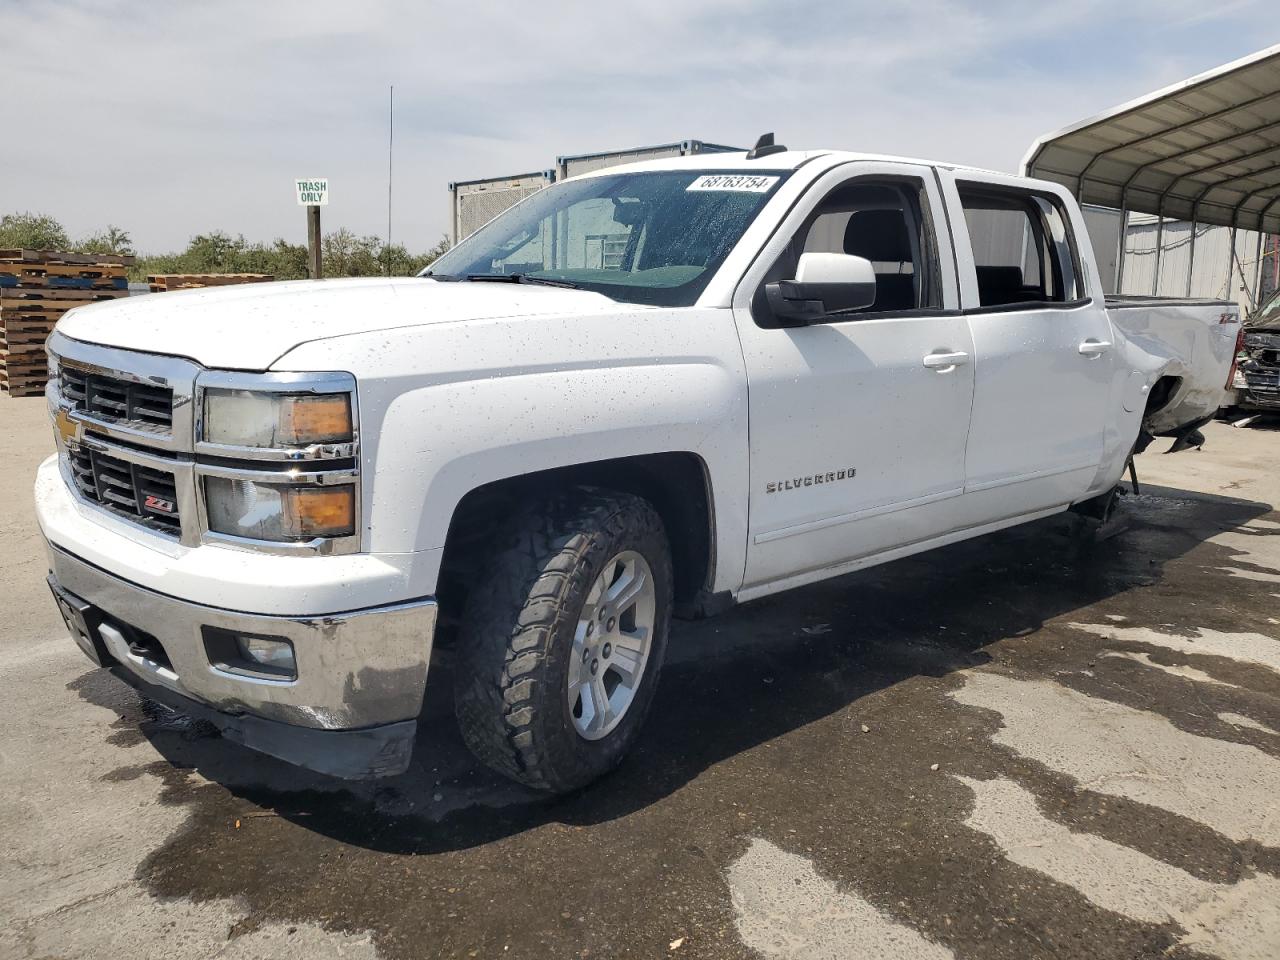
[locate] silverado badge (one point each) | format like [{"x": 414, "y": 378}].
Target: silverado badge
[{"x": 795, "y": 483}]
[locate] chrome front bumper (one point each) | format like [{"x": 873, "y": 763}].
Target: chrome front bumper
[{"x": 360, "y": 675}]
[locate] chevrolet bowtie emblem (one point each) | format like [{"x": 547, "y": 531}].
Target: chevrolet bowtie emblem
[{"x": 71, "y": 431}]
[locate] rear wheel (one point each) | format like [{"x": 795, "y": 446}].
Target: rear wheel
[{"x": 563, "y": 639}]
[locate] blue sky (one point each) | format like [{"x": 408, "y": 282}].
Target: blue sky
[{"x": 174, "y": 118}]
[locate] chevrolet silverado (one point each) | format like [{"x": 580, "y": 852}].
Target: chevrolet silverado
[{"x": 666, "y": 387}]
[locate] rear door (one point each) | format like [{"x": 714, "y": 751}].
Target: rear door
[
  {"x": 1043, "y": 348},
  {"x": 858, "y": 423}
]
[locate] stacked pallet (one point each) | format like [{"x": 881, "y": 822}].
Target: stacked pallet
[
  {"x": 36, "y": 288},
  {"x": 166, "y": 282}
]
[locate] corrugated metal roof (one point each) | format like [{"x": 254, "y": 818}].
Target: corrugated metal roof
[{"x": 1206, "y": 149}]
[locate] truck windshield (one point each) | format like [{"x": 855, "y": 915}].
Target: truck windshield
[
  {"x": 1268, "y": 314},
  {"x": 654, "y": 238}
]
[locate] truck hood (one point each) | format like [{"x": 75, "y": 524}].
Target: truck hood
[{"x": 249, "y": 327}]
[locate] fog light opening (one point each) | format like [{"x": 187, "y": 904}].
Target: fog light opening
[
  {"x": 249, "y": 654},
  {"x": 267, "y": 652}
]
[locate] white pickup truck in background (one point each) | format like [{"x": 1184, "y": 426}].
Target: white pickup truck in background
[{"x": 662, "y": 387}]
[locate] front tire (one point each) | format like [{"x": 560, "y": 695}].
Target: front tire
[{"x": 563, "y": 639}]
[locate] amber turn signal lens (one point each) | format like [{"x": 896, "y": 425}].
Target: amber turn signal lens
[
  {"x": 321, "y": 511},
  {"x": 323, "y": 418}
]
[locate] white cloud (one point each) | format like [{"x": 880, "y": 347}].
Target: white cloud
[{"x": 178, "y": 117}]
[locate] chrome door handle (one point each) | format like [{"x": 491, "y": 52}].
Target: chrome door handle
[
  {"x": 1094, "y": 348},
  {"x": 942, "y": 362}
]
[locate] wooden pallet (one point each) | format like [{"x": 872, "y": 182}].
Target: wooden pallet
[
  {"x": 33, "y": 388},
  {"x": 10, "y": 282},
  {"x": 12, "y": 325},
  {"x": 80, "y": 296},
  {"x": 169, "y": 282},
  {"x": 24, "y": 334},
  {"x": 36, "y": 308},
  {"x": 24, "y": 377},
  {"x": 15, "y": 352},
  {"x": 28, "y": 364},
  {"x": 63, "y": 257},
  {"x": 98, "y": 270},
  {"x": 210, "y": 277},
  {"x": 41, "y": 276},
  {"x": 15, "y": 344}
]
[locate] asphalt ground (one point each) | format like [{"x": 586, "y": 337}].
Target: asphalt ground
[{"x": 1035, "y": 744}]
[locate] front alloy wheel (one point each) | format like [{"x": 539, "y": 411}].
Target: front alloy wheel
[{"x": 611, "y": 645}]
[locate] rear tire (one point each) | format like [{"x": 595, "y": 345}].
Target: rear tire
[{"x": 542, "y": 642}]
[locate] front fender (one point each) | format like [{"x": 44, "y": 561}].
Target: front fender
[
  {"x": 526, "y": 423},
  {"x": 454, "y": 406}
]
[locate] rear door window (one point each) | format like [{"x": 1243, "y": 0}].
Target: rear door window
[{"x": 1023, "y": 249}]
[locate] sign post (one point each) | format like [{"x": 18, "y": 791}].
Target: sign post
[{"x": 313, "y": 193}]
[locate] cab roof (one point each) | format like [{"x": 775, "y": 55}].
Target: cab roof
[{"x": 784, "y": 160}]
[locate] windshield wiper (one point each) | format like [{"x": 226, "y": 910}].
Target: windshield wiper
[
  {"x": 521, "y": 278},
  {"x": 442, "y": 277}
]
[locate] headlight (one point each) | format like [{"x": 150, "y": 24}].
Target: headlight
[
  {"x": 277, "y": 459},
  {"x": 279, "y": 511},
  {"x": 249, "y": 418}
]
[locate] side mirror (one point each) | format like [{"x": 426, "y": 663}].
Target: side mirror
[{"x": 825, "y": 283}]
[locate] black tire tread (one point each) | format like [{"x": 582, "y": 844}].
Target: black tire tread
[{"x": 518, "y": 608}]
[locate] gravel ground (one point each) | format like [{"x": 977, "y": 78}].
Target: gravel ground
[{"x": 1030, "y": 745}]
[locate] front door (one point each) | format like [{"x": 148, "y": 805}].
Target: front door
[{"x": 857, "y": 424}]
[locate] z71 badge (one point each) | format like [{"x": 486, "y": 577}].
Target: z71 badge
[
  {"x": 795, "y": 483},
  {"x": 158, "y": 504}
]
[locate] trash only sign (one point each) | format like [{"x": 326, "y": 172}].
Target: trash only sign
[{"x": 312, "y": 191}]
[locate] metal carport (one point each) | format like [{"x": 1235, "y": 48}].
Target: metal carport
[{"x": 1206, "y": 150}]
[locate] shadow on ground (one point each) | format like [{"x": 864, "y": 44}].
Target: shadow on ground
[
  {"x": 732, "y": 683},
  {"x": 815, "y": 719}
]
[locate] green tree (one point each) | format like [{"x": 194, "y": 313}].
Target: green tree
[
  {"x": 215, "y": 252},
  {"x": 288, "y": 260},
  {"x": 111, "y": 240},
  {"x": 33, "y": 231},
  {"x": 219, "y": 252},
  {"x": 343, "y": 254},
  {"x": 435, "y": 253}
]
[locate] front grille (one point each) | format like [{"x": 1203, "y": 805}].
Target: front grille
[
  {"x": 128, "y": 489},
  {"x": 1263, "y": 385},
  {"x": 142, "y": 406},
  {"x": 1265, "y": 382}
]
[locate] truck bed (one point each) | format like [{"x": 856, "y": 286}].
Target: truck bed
[
  {"x": 1193, "y": 340},
  {"x": 1128, "y": 301}
]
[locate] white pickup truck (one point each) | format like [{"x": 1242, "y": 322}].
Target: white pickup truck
[{"x": 663, "y": 387}]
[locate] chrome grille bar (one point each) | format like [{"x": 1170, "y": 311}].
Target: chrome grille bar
[
  {"x": 140, "y": 493},
  {"x": 116, "y": 400}
]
